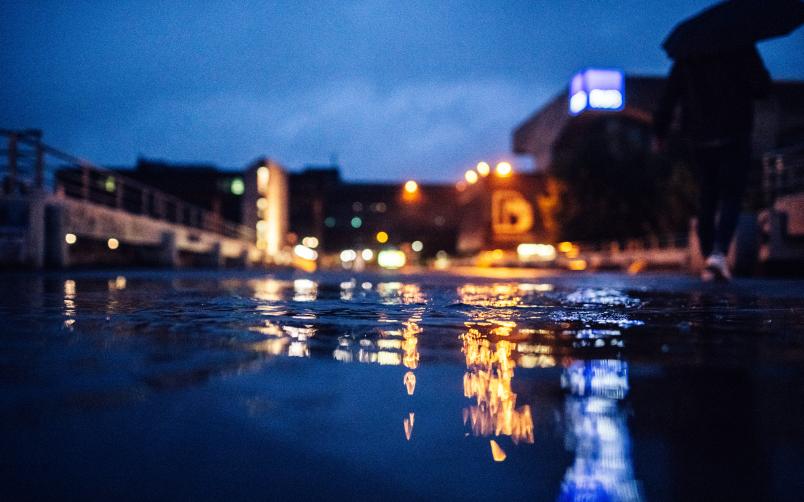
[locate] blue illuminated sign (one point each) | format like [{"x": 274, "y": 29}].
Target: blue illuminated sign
[{"x": 597, "y": 89}]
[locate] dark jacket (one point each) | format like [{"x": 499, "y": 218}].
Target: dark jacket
[{"x": 716, "y": 93}]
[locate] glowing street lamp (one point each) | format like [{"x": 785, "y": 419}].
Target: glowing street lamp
[
  {"x": 382, "y": 237},
  {"x": 470, "y": 176},
  {"x": 411, "y": 187},
  {"x": 504, "y": 169},
  {"x": 483, "y": 169}
]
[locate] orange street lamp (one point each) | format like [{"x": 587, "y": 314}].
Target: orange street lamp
[
  {"x": 411, "y": 187},
  {"x": 470, "y": 176},
  {"x": 483, "y": 169},
  {"x": 504, "y": 169}
]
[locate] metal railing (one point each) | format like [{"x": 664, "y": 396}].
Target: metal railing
[
  {"x": 648, "y": 243},
  {"x": 783, "y": 172},
  {"x": 32, "y": 165}
]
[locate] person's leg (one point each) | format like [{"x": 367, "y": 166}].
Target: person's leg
[
  {"x": 733, "y": 169},
  {"x": 706, "y": 169}
]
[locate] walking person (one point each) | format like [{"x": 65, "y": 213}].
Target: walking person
[
  {"x": 716, "y": 76},
  {"x": 716, "y": 93}
]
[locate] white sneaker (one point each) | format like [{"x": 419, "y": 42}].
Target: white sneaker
[{"x": 717, "y": 266}]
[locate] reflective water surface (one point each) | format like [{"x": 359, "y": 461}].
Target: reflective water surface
[{"x": 207, "y": 385}]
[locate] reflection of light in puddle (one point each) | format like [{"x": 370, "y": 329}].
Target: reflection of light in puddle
[
  {"x": 597, "y": 432},
  {"x": 285, "y": 340},
  {"x": 497, "y": 453},
  {"x": 269, "y": 290},
  {"x": 393, "y": 347},
  {"x": 348, "y": 290},
  {"x": 490, "y": 295},
  {"x": 304, "y": 290},
  {"x": 117, "y": 284},
  {"x": 499, "y": 295},
  {"x": 396, "y": 293},
  {"x": 410, "y": 382},
  {"x": 69, "y": 303},
  {"x": 488, "y": 381},
  {"x": 601, "y": 296},
  {"x": 407, "y": 424}
]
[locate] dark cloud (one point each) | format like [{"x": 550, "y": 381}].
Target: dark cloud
[{"x": 395, "y": 89}]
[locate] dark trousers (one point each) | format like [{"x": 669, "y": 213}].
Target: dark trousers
[{"x": 722, "y": 174}]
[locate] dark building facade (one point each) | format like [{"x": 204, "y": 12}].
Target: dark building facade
[
  {"x": 349, "y": 215},
  {"x": 779, "y": 119},
  {"x": 202, "y": 185},
  {"x": 594, "y": 140}
]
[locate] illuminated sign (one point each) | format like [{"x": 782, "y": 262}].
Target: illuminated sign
[
  {"x": 597, "y": 89},
  {"x": 511, "y": 213}
]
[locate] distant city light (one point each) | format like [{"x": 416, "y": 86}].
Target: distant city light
[
  {"x": 113, "y": 243},
  {"x": 357, "y": 222},
  {"x": 382, "y": 237},
  {"x": 305, "y": 253},
  {"x": 577, "y": 102},
  {"x": 262, "y": 203},
  {"x": 577, "y": 265},
  {"x": 417, "y": 246},
  {"x": 483, "y": 169},
  {"x": 263, "y": 175},
  {"x": 348, "y": 255},
  {"x": 460, "y": 186},
  {"x": 391, "y": 259},
  {"x": 536, "y": 252},
  {"x": 110, "y": 184},
  {"x": 237, "y": 187},
  {"x": 367, "y": 254},
  {"x": 503, "y": 169},
  {"x": 565, "y": 247},
  {"x": 70, "y": 238},
  {"x": 470, "y": 176},
  {"x": 411, "y": 186},
  {"x": 310, "y": 242},
  {"x": 329, "y": 222}
]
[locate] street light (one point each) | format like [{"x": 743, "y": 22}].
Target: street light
[
  {"x": 411, "y": 187},
  {"x": 470, "y": 176},
  {"x": 504, "y": 169},
  {"x": 483, "y": 169}
]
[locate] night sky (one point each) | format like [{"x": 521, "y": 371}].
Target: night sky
[{"x": 396, "y": 89}]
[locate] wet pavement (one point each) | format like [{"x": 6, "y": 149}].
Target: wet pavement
[{"x": 205, "y": 385}]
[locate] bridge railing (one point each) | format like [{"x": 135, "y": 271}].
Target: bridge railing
[
  {"x": 647, "y": 243},
  {"x": 783, "y": 172},
  {"x": 32, "y": 165}
]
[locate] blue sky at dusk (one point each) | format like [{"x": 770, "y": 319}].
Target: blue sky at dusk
[{"x": 397, "y": 89}]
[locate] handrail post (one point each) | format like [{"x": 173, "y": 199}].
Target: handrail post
[
  {"x": 119, "y": 194},
  {"x": 12, "y": 161},
  {"x": 144, "y": 202},
  {"x": 40, "y": 165},
  {"x": 84, "y": 181}
]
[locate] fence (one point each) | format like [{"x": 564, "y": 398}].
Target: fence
[
  {"x": 783, "y": 173},
  {"x": 32, "y": 165}
]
